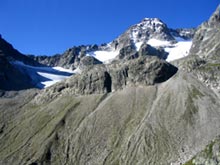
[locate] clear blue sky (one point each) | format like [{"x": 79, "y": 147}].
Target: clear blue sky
[{"x": 47, "y": 27}]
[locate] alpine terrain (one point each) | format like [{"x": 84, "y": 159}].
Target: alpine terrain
[{"x": 149, "y": 97}]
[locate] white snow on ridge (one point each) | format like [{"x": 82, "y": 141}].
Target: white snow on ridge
[
  {"x": 63, "y": 69},
  {"x": 44, "y": 77},
  {"x": 138, "y": 45},
  {"x": 176, "y": 51},
  {"x": 53, "y": 78},
  {"x": 180, "y": 50},
  {"x": 155, "y": 42},
  {"x": 103, "y": 56}
]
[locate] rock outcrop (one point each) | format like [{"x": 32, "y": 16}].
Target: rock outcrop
[
  {"x": 101, "y": 79},
  {"x": 11, "y": 78},
  {"x": 70, "y": 59},
  {"x": 206, "y": 41}
]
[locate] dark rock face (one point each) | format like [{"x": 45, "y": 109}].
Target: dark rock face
[
  {"x": 140, "y": 71},
  {"x": 128, "y": 52},
  {"x": 10, "y": 77},
  {"x": 88, "y": 61},
  {"x": 187, "y": 34},
  {"x": 146, "y": 50},
  {"x": 92, "y": 81},
  {"x": 69, "y": 59}
]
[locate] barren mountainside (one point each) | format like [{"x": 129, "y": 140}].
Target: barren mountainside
[{"x": 131, "y": 107}]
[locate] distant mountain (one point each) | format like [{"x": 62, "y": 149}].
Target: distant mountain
[{"x": 151, "y": 36}]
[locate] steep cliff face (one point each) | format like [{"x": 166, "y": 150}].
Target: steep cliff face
[
  {"x": 206, "y": 41},
  {"x": 11, "y": 78}
]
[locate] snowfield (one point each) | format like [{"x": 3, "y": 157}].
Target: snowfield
[
  {"x": 103, "y": 56},
  {"x": 176, "y": 51},
  {"x": 155, "y": 42},
  {"x": 179, "y": 50},
  {"x": 44, "y": 77}
]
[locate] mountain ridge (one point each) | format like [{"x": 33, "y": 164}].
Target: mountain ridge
[{"x": 70, "y": 59}]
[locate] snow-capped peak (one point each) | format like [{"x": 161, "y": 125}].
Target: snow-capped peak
[
  {"x": 148, "y": 28},
  {"x": 150, "y": 22},
  {"x": 154, "y": 24},
  {"x": 152, "y": 31}
]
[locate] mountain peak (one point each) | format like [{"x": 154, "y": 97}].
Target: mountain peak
[
  {"x": 152, "y": 23},
  {"x": 153, "y": 20}
]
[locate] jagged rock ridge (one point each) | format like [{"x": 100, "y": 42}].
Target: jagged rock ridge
[{"x": 132, "y": 39}]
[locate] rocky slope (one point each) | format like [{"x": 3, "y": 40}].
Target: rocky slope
[
  {"x": 137, "y": 109},
  {"x": 139, "y": 124}
]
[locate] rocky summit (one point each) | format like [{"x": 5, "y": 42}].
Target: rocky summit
[{"x": 149, "y": 97}]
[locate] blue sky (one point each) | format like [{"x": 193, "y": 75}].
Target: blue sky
[{"x": 47, "y": 27}]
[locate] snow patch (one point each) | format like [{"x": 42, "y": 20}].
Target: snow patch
[
  {"x": 44, "y": 77},
  {"x": 155, "y": 43},
  {"x": 176, "y": 51},
  {"x": 63, "y": 69},
  {"x": 103, "y": 56},
  {"x": 138, "y": 45},
  {"x": 179, "y": 50},
  {"x": 53, "y": 78}
]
